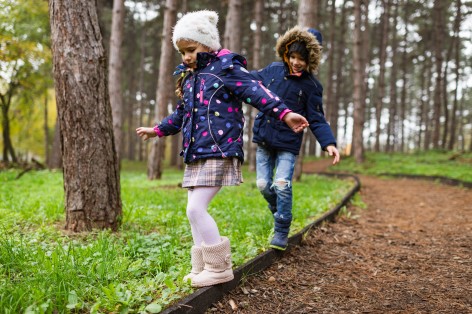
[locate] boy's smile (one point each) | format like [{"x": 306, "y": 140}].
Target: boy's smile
[{"x": 297, "y": 63}]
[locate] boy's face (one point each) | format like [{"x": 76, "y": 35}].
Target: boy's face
[
  {"x": 297, "y": 63},
  {"x": 188, "y": 50}
]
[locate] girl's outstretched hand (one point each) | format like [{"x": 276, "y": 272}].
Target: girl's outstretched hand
[
  {"x": 146, "y": 133},
  {"x": 295, "y": 121}
]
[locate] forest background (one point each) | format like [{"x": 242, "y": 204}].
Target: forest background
[
  {"x": 414, "y": 85},
  {"x": 77, "y": 78}
]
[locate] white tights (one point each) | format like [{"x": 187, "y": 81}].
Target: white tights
[{"x": 204, "y": 228}]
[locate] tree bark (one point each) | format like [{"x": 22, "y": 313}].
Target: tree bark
[
  {"x": 382, "y": 60},
  {"x": 256, "y": 63},
  {"x": 163, "y": 94},
  {"x": 438, "y": 24},
  {"x": 5, "y": 102},
  {"x": 332, "y": 107},
  {"x": 457, "y": 45},
  {"x": 114, "y": 75},
  {"x": 308, "y": 13},
  {"x": 358, "y": 78},
  {"x": 392, "y": 119},
  {"x": 232, "y": 35},
  {"x": 91, "y": 168}
]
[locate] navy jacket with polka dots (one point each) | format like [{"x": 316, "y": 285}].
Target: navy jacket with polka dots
[{"x": 210, "y": 113}]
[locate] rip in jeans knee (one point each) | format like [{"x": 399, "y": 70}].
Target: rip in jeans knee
[
  {"x": 281, "y": 184},
  {"x": 261, "y": 184}
]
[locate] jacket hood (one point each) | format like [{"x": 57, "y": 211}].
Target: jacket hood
[{"x": 302, "y": 35}]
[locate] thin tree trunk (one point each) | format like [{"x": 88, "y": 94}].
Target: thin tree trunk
[
  {"x": 114, "y": 73},
  {"x": 163, "y": 95},
  {"x": 232, "y": 35},
  {"x": 308, "y": 13},
  {"x": 438, "y": 43},
  {"x": 256, "y": 63},
  {"x": 91, "y": 167},
  {"x": 391, "y": 134},
  {"x": 5, "y": 102},
  {"x": 382, "y": 61},
  {"x": 47, "y": 141},
  {"x": 331, "y": 106},
  {"x": 340, "y": 47},
  {"x": 404, "y": 81},
  {"x": 457, "y": 45},
  {"x": 358, "y": 78},
  {"x": 445, "y": 97}
]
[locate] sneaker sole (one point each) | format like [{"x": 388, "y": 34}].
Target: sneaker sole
[{"x": 278, "y": 247}]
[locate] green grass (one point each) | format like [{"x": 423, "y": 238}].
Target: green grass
[
  {"x": 140, "y": 268},
  {"x": 432, "y": 163}
]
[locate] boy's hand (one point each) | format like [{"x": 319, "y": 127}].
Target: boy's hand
[
  {"x": 146, "y": 133},
  {"x": 333, "y": 151},
  {"x": 295, "y": 121}
]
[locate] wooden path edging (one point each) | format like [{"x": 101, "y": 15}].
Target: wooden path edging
[{"x": 199, "y": 301}]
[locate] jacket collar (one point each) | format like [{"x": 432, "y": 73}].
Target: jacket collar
[{"x": 203, "y": 59}]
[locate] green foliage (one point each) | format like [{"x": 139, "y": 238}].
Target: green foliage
[
  {"x": 140, "y": 268},
  {"x": 432, "y": 163},
  {"x": 25, "y": 71}
]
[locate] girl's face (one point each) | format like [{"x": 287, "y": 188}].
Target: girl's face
[
  {"x": 188, "y": 50},
  {"x": 297, "y": 63}
]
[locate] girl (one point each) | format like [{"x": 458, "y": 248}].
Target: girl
[{"x": 213, "y": 82}]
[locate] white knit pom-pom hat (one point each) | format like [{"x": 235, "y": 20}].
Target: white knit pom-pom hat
[{"x": 199, "y": 26}]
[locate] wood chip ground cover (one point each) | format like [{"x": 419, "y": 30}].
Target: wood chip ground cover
[{"x": 410, "y": 251}]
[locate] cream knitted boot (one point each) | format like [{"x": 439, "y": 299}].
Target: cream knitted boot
[
  {"x": 217, "y": 259},
  {"x": 196, "y": 255}
]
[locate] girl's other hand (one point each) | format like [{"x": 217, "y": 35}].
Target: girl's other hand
[{"x": 146, "y": 133}]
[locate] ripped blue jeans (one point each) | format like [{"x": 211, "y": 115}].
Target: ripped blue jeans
[{"x": 276, "y": 188}]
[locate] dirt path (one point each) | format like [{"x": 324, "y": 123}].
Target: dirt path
[{"x": 410, "y": 251}]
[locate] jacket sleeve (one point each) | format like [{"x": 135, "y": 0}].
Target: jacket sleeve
[
  {"x": 250, "y": 90},
  {"x": 172, "y": 124},
  {"x": 317, "y": 121}
]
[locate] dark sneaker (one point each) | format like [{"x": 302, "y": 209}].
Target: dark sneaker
[{"x": 279, "y": 242}]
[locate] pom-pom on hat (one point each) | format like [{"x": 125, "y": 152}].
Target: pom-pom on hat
[{"x": 199, "y": 26}]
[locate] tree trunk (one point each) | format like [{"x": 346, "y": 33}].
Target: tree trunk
[
  {"x": 47, "y": 141},
  {"x": 404, "y": 66},
  {"x": 8, "y": 151},
  {"x": 382, "y": 60},
  {"x": 457, "y": 45},
  {"x": 391, "y": 134},
  {"x": 308, "y": 13},
  {"x": 358, "y": 78},
  {"x": 331, "y": 106},
  {"x": 114, "y": 74},
  {"x": 340, "y": 48},
  {"x": 438, "y": 44},
  {"x": 232, "y": 35},
  {"x": 256, "y": 63},
  {"x": 91, "y": 168},
  {"x": 163, "y": 94}
]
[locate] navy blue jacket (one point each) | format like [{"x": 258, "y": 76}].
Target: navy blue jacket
[
  {"x": 210, "y": 114},
  {"x": 302, "y": 94}
]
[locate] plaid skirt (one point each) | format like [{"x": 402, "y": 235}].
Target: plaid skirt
[{"x": 213, "y": 172}]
